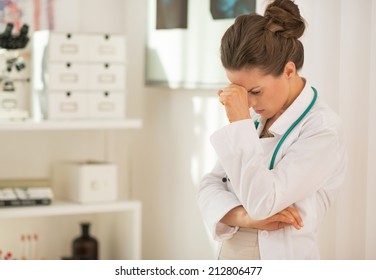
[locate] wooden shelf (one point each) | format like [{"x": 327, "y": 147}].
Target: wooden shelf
[
  {"x": 60, "y": 208},
  {"x": 30, "y": 125}
]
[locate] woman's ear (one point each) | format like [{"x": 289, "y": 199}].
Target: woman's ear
[{"x": 290, "y": 70}]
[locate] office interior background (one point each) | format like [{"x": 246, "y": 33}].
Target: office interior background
[{"x": 161, "y": 163}]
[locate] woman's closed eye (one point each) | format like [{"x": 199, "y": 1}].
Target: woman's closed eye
[{"x": 254, "y": 91}]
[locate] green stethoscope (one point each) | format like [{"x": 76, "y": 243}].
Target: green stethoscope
[{"x": 291, "y": 128}]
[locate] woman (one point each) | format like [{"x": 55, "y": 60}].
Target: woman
[{"x": 280, "y": 169}]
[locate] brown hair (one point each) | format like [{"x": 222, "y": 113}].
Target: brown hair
[{"x": 267, "y": 42}]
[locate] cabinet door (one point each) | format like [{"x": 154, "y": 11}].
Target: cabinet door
[{"x": 106, "y": 48}]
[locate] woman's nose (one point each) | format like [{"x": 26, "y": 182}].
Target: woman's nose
[{"x": 251, "y": 101}]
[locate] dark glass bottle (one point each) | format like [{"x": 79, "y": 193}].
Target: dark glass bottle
[{"x": 85, "y": 247}]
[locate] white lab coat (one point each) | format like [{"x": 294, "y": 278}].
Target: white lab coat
[{"x": 308, "y": 172}]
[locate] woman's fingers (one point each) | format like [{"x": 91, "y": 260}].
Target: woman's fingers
[
  {"x": 282, "y": 218},
  {"x": 288, "y": 216},
  {"x": 293, "y": 217},
  {"x": 294, "y": 212}
]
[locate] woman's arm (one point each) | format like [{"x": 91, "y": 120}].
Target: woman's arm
[
  {"x": 239, "y": 217},
  {"x": 214, "y": 201},
  {"x": 314, "y": 158}
]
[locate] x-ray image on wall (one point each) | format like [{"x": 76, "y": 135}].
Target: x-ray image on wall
[
  {"x": 225, "y": 9},
  {"x": 172, "y": 14}
]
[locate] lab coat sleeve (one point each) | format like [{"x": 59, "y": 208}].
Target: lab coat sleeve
[
  {"x": 215, "y": 200},
  {"x": 308, "y": 164}
]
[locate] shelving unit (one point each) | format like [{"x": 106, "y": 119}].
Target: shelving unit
[
  {"x": 29, "y": 148},
  {"x": 66, "y": 208},
  {"x": 124, "y": 239}
]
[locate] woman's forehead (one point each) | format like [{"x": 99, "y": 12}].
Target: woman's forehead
[{"x": 248, "y": 78}]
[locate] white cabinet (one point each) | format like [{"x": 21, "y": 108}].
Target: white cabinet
[
  {"x": 73, "y": 69},
  {"x": 117, "y": 224}
]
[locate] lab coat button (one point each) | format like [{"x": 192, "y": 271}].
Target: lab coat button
[{"x": 264, "y": 233}]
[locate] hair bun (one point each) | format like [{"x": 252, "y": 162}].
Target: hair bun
[{"x": 283, "y": 18}]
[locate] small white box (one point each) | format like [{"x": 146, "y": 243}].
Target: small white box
[{"x": 85, "y": 182}]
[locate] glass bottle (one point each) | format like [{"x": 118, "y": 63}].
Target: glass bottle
[{"x": 85, "y": 247}]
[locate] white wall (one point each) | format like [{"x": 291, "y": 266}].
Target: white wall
[{"x": 370, "y": 240}]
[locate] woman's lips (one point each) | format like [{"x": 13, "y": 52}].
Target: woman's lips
[{"x": 259, "y": 111}]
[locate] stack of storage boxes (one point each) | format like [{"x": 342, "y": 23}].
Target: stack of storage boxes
[{"x": 78, "y": 76}]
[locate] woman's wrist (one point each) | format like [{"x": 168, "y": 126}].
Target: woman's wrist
[{"x": 237, "y": 217}]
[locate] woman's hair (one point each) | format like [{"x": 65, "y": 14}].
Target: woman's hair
[{"x": 267, "y": 42}]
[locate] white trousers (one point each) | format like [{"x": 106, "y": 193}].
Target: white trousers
[{"x": 242, "y": 246}]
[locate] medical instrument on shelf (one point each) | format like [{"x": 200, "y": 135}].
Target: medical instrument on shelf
[{"x": 14, "y": 82}]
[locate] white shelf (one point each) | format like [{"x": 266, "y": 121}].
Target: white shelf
[
  {"x": 69, "y": 125},
  {"x": 60, "y": 208}
]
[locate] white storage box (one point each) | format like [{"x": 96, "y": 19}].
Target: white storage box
[{"x": 86, "y": 182}]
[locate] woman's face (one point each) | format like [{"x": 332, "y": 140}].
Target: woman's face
[{"x": 267, "y": 95}]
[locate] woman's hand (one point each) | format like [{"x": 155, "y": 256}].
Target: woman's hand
[
  {"x": 287, "y": 217},
  {"x": 235, "y": 100}
]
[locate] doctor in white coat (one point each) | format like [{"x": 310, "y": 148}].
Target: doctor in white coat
[{"x": 280, "y": 169}]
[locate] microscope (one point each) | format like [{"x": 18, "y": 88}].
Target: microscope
[{"x": 14, "y": 79}]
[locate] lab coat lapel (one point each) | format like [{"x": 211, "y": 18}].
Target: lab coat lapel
[{"x": 293, "y": 112}]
